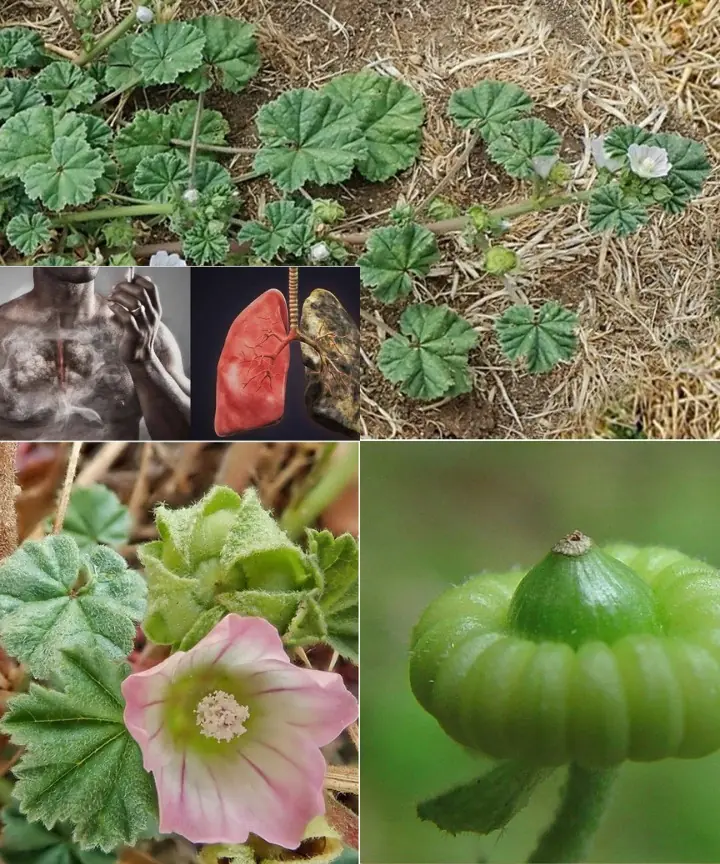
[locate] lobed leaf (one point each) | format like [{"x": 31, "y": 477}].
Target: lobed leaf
[
  {"x": 164, "y": 50},
  {"x": 544, "y": 338},
  {"x": 16, "y": 95},
  {"x": 96, "y": 515},
  {"x": 67, "y": 85},
  {"x": 28, "y": 233},
  {"x": 206, "y": 242},
  {"x": 230, "y": 54},
  {"x": 430, "y": 359},
  {"x": 162, "y": 177},
  {"x": 68, "y": 178},
  {"x": 147, "y": 134},
  {"x": 27, "y": 138},
  {"x": 520, "y": 142},
  {"x": 289, "y": 228},
  {"x": 121, "y": 71},
  {"x": 489, "y": 107},
  {"x": 20, "y": 48},
  {"x": 211, "y": 176},
  {"x": 690, "y": 169},
  {"x": 617, "y": 142},
  {"x": 610, "y": 209},
  {"x": 214, "y": 127},
  {"x": 393, "y": 256}
]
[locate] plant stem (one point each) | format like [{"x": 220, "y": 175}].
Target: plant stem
[
  {"x": 70, "y": 473},
  {"x": 8, "y": 491},
  {"x": 192, "y": 158},
  {"x": 102, "y": 213},
  {"x": 336, "y": 474},
  {"x": 584, "y": 801},
  {"x": 452, "y": 172},
  {"x": 216, "y": 148},
  {"x": 104, "y": 42},
  {"x": 110, "y": 96}
]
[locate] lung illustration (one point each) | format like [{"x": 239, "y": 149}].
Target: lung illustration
[{"x": 253, "y": 367}]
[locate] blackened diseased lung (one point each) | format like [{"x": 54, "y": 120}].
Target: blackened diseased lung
[{"x": 332, "y": 377}]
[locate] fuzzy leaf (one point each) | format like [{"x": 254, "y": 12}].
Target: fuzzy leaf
[
  {"x": 28, "y": 233},
  {"x": 68, "y": 178},
  {"x": 119, "y": 233},
  {"x": 611, "y": 210},
  {"x": 393, "y": 256},
  {"x": 206, "y": 243},
  {"x": 96, "y": 515},
  {"x": 390, "y": 115},
  {"x": 308, "y": 627},
  {"x": 162, "y": 177},
  {"x": 163, "y": 51},
  {"x": 617, "y": 142},
  {"x": 277, "y": 607},
  {"x": 148, "y": 134},
  {"x": 337, "y": 558},
  {"x": 289, "y": 228},
  {"x": 431, "y": 359},
  {"x": 80, "y": 762},
  {"x": 690, "y": 169},
  {"x": 520, "y": 142},
  {"x": 213, "y": 126},
  {"x": 54, "y": 596},
  {"x": 67, "y": 85},
  {"x": 230, "y": 54},
  {"x": 489, "y": 107},
  {"x": 307, "y": 137},
  {"x": 211, "y": 175},
  {"x": 544, "y": 338},
  {"x": 121, "y": 72},
  {"x": 20, "y": 48},
  {"x": 202, "y": 626},
  {"x": 99, "y": 134},
  {"x": 28, "y": 137},
  {"x": 16, "y": 95}
]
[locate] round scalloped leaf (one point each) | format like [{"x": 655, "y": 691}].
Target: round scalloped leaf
[
  {"x": 489, "y": 107},
  {"x": 393, "y": 255},
  {"x": 162, "y": 177},
  {"x": 211, "y": 175},
  {"x": 690, "y": 169},
  {"x": 214, "y": 127},
  {"x": 611, "y": 210},
  {"x": 289, "y": 228},
  {"x": 148, "y": 134},
  {"x": 206, "y": 243},
  {"x": 544, "y": 338},
  {"x": 163, "y": 51},
  {"x": 121, "y": 72},
  {"x": 66, "y": 85},
  {"x": 16, "y": 95},
  {"x": 390, "y": 115},
  {"x": 431, "y": 359},
  {"x": 29, "y": 233},
  {"x": 68, "y": 177},
  {"x": 99, "y": 134},
  {"x": 307, "y": 138},
  {"x": 27, "y": 138},
  {"x": 231, "y": 55},
  {"x": 520, "y": 142},
  {"x": 20, "y": 48},
  {"x": 617, "y": 142}
]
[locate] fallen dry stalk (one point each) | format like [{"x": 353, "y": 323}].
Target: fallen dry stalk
[{"x": 8, "y": 491}]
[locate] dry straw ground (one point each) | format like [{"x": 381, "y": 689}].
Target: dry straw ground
[{"x": 648, "y": 357}]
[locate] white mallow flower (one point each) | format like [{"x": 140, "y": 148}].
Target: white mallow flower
[
  {"x": 319, "y": 252},
  {"x": 543, "y": 165},
  {"x": 602, "y": 160},
  {"x": 163, "y": 259},
  {"x": 144, "y": 15},
  {"x": 191, "y": 196},
  {"x": 649, "y": 162}
]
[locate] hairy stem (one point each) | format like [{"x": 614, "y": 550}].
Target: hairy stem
[
  {"x": 102, "y": 213},
  {"x": 70, "y": 473},
  {"x": 215, "y": 148},
  {"x": 584, "y": 801},
  {"x": 8, "y": 490},
  {"x": 104, "y": 42}
]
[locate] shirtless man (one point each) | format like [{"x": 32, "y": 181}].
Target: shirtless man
[{"x": 75, "y": 365}]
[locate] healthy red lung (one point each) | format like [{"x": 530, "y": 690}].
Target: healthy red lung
[{"x": 253, "y": 367}]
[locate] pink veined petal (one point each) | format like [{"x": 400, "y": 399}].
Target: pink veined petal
[{"x": 317, "y": 703}]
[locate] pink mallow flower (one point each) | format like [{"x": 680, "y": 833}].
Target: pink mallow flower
[{"x": 232, "y": 732}]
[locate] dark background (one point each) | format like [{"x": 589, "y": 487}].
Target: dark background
[{"x": 219, "y": 294}]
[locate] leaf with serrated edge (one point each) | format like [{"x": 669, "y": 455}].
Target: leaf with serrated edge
[
  {"x": 393, "y": 256},
  {"x": 147, "y": 134},
  {"x": 609, "y": 209},
  {"x": 165, "y": 50},
  {"x": 53, "y": 596},
  {"x": 433, "y": 362},
  {"x": 66, "y": 85},
  {"x": 211, "y": 175},
  {"x": 213, "y": 126},
  {"x": 337, "y": 558},
  {"x": 390, "y": 115},
  {"x": 68, "y": 178},
  {"x": 230, "y": 54},
  {"x": 162, "y": 177},
  {"x": 489, "y": 107},
  {"x": 616, "y": 143},
  {"x": 28, "y": 233},
  {"x": 80, "y": 763},
  {"x": 205, "y": 244},
  {"x": 121, "y": 72},
  {"x": 289, "y": 228},
  {"x": 27, "y": 138},
  {"x": 16, "y": 95},
  {"x": 20, "y": 48},
  {"x": 99, "y": 134},
  {"x": 690, "y": 168},
  {"x": 520, "y": 142},
  {"x": 307, "y": 138},
  {"x": 96, "y": 515},
  {"x": 544, "y": 338}
]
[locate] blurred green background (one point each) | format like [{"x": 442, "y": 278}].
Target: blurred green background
[{"x": 435, "y": 512}]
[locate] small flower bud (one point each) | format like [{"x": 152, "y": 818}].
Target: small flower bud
[
  {"x": 560, "y": 173},
  {"x": 191, "y": 196},
  {"x": 319, "y": 252},
  {"x": 500, "y": 260},
  {"x": 144, "y": 15},
  {"x": 479, "y": 217}
]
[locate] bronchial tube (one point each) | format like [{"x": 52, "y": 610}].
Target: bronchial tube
[{"x": 293, "y": 295}]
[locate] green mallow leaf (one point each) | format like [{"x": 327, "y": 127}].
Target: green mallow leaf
[
  {"x": 544, "y": 338},
  {"x": 214, "y": 127},
  {"x": 16, "y": 95},
  {"x": 616, "y": 143},
  {"x": 29, "y": 233},
  {"x": 489, "y": 107},
  {"x": 67, "y": 85},
  {"x": 27, "y": 138},
  {"x": 121, "y": 72},
  {"x": 163, "y": 51},
  {"x": 690, "y": 169},
  {"x": 278, "y": 607},
  {"x": 20, "y": 48},
  {"x": 147, "y": 134},
  {"x": 393, "y": 256},
  {"x": 68, "y": 177},
  {"x": 162, "y": 177},
  {"x": 442, "y": 208},
  {"x": 211, "y": 176},
  {"x": 54, "y": 595},
  {"x": 80, "y": 763},
  {"x": 390, "y": 115},
  {"x": 206, "y": 242},
  {"x": 119, "y": 233},
  {"x": 99, "y": 134},
  {"x": 337, "y": 559},
  {"x": 230, "y": 55},
  {"x": 431, "y": 359},
  {"x": 307, "y": 137},
  {"x": 96, "y": 515},
  {"x": 309, "y": 625},
  {"x": 520, "y": 142},
  {"x": 610, "y": 209},
  {"x": 289, "y": 229},
  {"x": 26, "y": 842}
]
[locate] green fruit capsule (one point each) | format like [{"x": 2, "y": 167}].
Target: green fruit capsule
[{"x": 593, "y": 657}]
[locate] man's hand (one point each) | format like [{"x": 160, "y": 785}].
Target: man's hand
[{"x": 136, "y": 305}]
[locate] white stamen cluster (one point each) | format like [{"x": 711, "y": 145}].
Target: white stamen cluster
[{"x": 220, "y": 716}]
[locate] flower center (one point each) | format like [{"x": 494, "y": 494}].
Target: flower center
[
  {"x": 220, "y": 716},
  {"x": 648, "y": 164}
]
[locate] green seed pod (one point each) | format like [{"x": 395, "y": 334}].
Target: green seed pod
[
  {"x": 593, "y": 657},
  {"x": 560, "y": 174},
  {"x": 499, "y": 260}
]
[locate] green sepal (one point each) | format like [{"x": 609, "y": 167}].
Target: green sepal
[
  {"x": 202, "y": 627},
  {"x": 277, "y": 607},
  {"x": 309, "y": 626}
]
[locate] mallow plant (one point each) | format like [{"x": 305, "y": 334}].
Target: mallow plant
[{"x": 219, "y": 742}]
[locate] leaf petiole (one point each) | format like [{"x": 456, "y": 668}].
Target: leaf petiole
[
  {"x": 103, "y": 213},
  {"x": 104, "y": 42}
]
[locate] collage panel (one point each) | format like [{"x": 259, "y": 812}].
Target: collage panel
[
  {"x": 179, "y": 662},
  {"x": 539, "y": 637}
]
